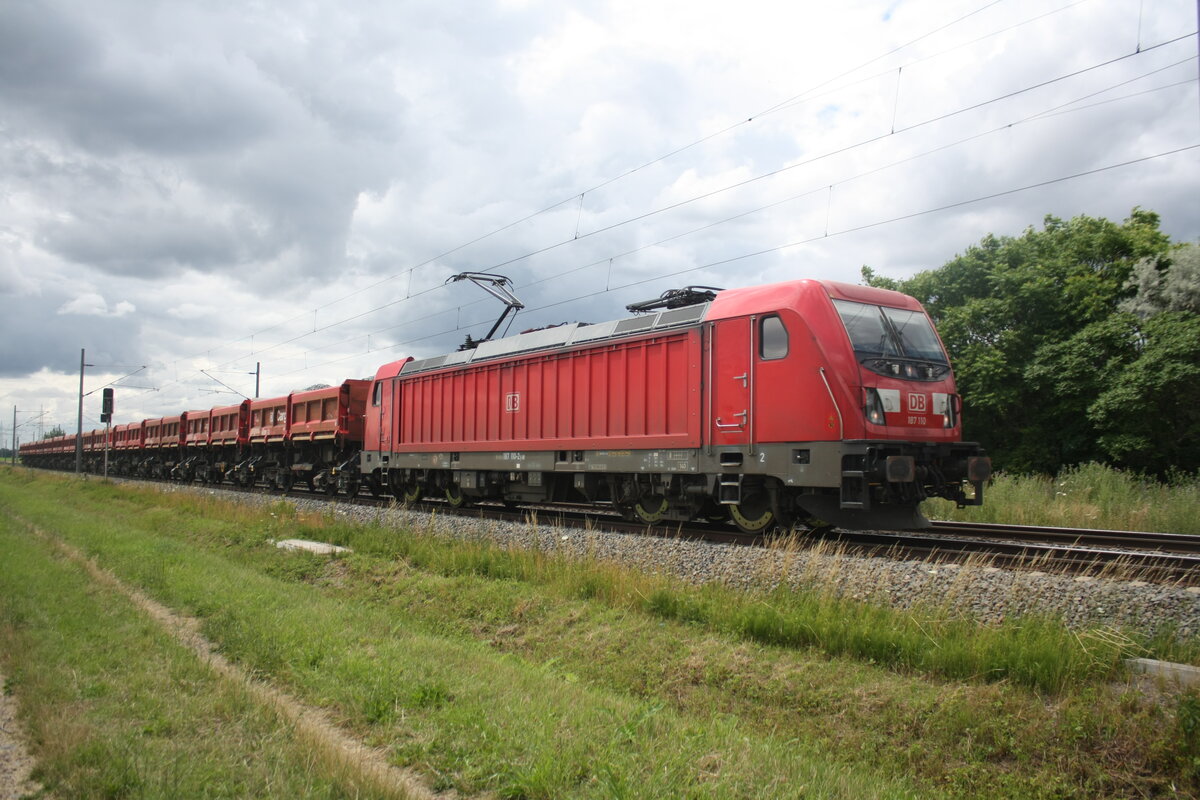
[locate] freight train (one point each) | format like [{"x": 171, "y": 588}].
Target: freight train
[{"x": 804, "y": 402}]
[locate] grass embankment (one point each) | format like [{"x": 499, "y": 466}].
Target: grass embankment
[
  {"x": 510, "y": 672},
  {"x": 1089, "y": 496},
  {"x": 119, "y": 709}
]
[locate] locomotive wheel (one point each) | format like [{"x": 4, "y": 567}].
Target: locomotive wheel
[
  {"x": 412, "y": 493},
  {"x": 455, "y": 496},
  {"x": 650, "y": 508},
  {"x": 754, "y": 514}
]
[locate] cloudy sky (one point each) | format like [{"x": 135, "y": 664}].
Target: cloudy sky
[{"x": 207, "y": 185}]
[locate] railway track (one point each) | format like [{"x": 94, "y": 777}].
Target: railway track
[
  {"x": 1139, "y": 540},
  {"x": 1149, "y": 564},
  {"x": 1152, "y": 557}
]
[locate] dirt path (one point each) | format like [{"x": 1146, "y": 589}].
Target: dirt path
[
  {"x": 368, "y": 765},
  {"x": 15, "y": 761}
]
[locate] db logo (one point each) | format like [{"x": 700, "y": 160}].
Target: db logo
[
  {"x": 512, "y": 402},
  {"x": 917, "y": 403}
]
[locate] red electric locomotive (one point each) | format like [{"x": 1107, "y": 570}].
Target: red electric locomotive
[{"x": 808, "y": 401}]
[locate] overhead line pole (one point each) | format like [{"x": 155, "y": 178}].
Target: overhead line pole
[{"x": 79, "y": 420}]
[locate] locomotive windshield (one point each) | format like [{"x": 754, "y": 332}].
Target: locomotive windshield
[{"x": 883, "y": 336}]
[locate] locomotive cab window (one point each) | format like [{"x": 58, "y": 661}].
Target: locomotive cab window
[
  {"x": 772, "y": 338},
  {"x": 377, "y": 395}
]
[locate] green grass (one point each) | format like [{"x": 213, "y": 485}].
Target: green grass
[
  {"x": 1088, "y": 496},
  {"x": 522, "y": 675},
  {"x": 117, "y": 709},
  {"x": 1035, "y": 652}
]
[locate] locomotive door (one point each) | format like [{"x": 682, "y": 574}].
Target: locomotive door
[
  {"x": 732, "y": 381},
  {"x": 387, "y": 415}
]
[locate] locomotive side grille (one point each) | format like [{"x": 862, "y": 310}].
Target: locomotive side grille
[
  {"x": 634, "y": 325},
  {"x": 681, "y": 316}
]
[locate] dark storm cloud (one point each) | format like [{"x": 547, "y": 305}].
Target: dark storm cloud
[
  {"x": 52, "y": 340},
  {"x": 151, "y": 242},
  {"x": 193, "y": 152},
  {"x": 61, "y": 70}
]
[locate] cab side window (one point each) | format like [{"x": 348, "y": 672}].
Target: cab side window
[
  {"x": 377, "y": 395},
  {"x": 772, "y": 338}
]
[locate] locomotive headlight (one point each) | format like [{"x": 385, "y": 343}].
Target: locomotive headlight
[
  {"x": 874, "y": 408},
  {"x": 947, "y": 406}
]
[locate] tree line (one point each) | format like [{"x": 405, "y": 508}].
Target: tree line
[{"x": 1077, "y": 342}]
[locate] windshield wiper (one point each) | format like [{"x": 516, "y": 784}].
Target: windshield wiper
[{"x": 893, "y": 332}]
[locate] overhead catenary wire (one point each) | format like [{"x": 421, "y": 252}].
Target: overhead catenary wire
[
  {"x": 784, "y": 104},
  {"x": 459, "y": 327},
  {"x": 788, "y": 245},
  {"x": 1059, "y": 109},
  {"x": 586, "y": 234},
  {"x": 770, "y": 174}
]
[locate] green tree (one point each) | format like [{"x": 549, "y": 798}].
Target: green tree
[
  {"x": 1005, "y": 306},
  {"x": 1148, "y": 418},
  {"x": 1068, "y": 376},
  {"x": 53, "y": 432}
]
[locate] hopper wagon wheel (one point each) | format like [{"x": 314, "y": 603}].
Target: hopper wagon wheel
[
  {"x": 331, "y": 488},
  {"x": 287, "y": 481},
  {"x": 455, "y": 496},
  {"x": 753, "y": 514},
  {"x": 650, "y": 508},
  {"x": 352, "y": 486}
]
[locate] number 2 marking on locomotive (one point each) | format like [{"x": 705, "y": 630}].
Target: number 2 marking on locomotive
[{"x": 762, "y": 458}]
